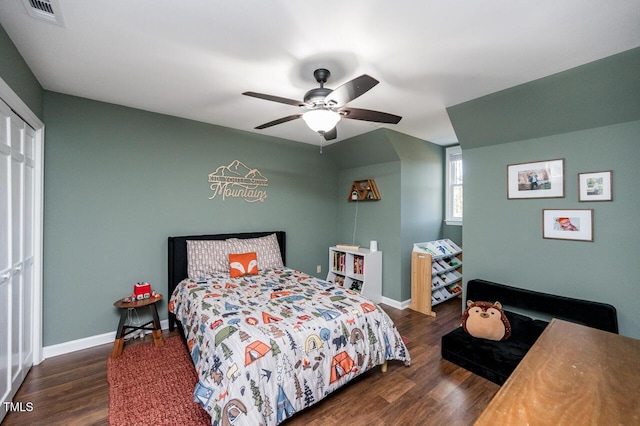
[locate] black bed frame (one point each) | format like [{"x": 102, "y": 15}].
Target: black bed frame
[{"x": 178, "y": 257}]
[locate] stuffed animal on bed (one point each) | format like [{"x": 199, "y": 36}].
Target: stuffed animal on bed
[{"x": 486, "y": 320}]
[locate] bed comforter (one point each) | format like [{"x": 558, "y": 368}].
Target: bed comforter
[{"x": 269, "y": 345}]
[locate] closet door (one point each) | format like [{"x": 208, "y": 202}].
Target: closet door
[
  {"x": 17, "y": 143},
  {"x": 27, "y": 252},
  {"x": 5, "y": 256}
]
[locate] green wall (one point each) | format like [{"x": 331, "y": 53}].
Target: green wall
[
  {"x": 422, "y": 204},
  {"x": 503, "y": 238},
  {"x": 376, "y": 220},
  {"x": 408, "y": 174},
  {"x": 453, "y": 232},
  {"x": 15, "y": 72},
  {"x": 593, "y": 95},
  {"x": 119, "y": 181},
  {"x": 371, "y": 156}
]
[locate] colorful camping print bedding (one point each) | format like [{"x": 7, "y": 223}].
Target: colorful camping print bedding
[{"x": 269, "y": 345}]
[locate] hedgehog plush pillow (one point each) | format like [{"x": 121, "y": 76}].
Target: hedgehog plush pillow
[{"x": 486, "y": 321}]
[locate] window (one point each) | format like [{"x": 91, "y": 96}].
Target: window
[{"x": 454, "y": 186}]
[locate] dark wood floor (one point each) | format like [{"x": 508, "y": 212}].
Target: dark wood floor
[{"x": 72, "y": 389}]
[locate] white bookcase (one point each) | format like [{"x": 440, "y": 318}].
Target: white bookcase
[
  {"x": 358, "y": 269},
  {"x": 436, "y": 274}
]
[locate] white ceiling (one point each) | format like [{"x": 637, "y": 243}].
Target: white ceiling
[{"x": 194, "y": 58}]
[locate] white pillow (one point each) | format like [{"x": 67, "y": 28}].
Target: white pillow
[
  {"x": 267, "y": 249},
  {"x": 207, "y": 257}
]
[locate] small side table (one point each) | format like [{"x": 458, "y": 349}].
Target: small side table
[{"x": 124, "y": 329}]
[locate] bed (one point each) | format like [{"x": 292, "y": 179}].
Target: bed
[{"x": 268, "y": 341}]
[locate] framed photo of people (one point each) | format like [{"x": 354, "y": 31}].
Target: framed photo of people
[
  {"x": 541, "y": 179},
  {"x": 595, "y": 186},
  {"x": 574, "y": 224}
]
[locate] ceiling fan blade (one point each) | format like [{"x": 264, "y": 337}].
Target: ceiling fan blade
[
  {"x": 331, "y": 134},
  {"x": 350, "y": 90},
  {"x": 279, "y": 121},
  {"x": 369, "y": 115},
  {"x": 274, "y": 98}
]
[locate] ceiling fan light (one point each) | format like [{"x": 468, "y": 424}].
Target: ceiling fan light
[{"x": 321, "y": 120}]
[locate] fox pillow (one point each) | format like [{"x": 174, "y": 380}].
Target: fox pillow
[{"x": 243, "y": 264}]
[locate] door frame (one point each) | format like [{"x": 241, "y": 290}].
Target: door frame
[{"x": 19, "y": 107}]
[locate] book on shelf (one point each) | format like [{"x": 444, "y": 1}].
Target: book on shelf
[
  {"x": 454, "y": 289},
  {"x": 443, "y": 293},
  {"x": 444, "y": 248},
  {"x": 338, "y": 262},
  {"x": 436, "y": 296},
  {"x": 432, "y": 246},
  {"x": 453, "y": 245},
  {"x": 356, "y": 285},
  {"x": 437, "y": 282},
  {"x": 347, "y": 246},
  {"x": 424, "y": 248},
  {"x": 438, "y": 248},
  {"x": 442, "y": 264},
  {"x": 451, "y": 276},
  {"x": 358, "y": 265},
  {"x": 339, "y": 280}
]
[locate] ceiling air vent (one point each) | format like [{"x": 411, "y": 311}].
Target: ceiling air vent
[{"x": 46, "y": 10}]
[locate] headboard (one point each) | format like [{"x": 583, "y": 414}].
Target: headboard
[{"x": 178, "y": 256}]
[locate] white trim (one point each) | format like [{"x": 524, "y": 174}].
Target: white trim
[
  {"x": 395, "y": 304},
  {"x": 77, "y": 345},
  {"x": 449, "y": 218},
  {"x": 87, "y": 342},
  {"x": 38, "y": 246},
  {"x": 106, "y": 338},
  {"x": 16, "y": 104}
]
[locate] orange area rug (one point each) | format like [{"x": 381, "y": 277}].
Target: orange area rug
[{"x": 154, "y": 386}]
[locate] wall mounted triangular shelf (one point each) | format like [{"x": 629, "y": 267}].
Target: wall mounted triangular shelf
[{"x": 364, "y": 190}]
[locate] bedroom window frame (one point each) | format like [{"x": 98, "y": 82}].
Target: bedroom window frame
[{"x": 454, "y": 185}]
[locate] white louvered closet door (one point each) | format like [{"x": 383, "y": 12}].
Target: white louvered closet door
[{"x": 17, "y": 180}]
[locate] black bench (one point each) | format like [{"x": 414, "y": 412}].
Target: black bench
[{"x": 495, "y": 361}]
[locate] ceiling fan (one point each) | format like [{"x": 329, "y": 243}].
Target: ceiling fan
[{"x": 325, "y": 107}]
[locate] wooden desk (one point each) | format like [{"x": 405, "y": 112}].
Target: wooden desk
[{"x": 573, "y": 375}]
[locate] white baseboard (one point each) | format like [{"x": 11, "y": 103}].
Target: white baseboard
[
  {"x": 395, "y": 304},
  {"x": 86, "y": 343},
  {"x": 102, "y": 339}
]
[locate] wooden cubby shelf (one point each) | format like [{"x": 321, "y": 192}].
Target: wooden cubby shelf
[{"x": 364, "y": 190}]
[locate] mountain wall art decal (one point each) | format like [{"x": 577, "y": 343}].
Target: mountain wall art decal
[{"x": 236, "y": 180}]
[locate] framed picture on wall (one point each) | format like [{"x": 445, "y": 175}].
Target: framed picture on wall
[
  {"x": 576, "y": 225},
  {"x": 542, "y": 179},
  {"x": 595, "y": 186}
]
